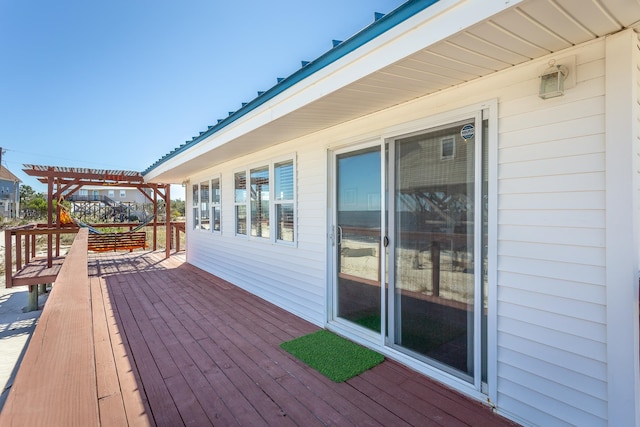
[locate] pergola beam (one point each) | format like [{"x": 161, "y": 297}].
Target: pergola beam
[{"x": 68, "y": 179}]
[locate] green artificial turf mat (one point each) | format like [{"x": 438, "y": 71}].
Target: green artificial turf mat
[{"x": 333, "y": 356}]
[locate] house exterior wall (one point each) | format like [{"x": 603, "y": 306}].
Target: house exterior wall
[
  {"x": 550, "y": 352},
  {"x": 132, "y": 195},
  {"x": 8, "y": 194}
]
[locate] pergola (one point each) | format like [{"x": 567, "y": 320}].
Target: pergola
[{"x": 64, "y": 181}]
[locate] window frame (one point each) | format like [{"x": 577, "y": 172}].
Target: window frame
[
  {"x": 243, "y": 203},
  {"x": 204, "y": 205},
  {"x": 195, "y": 205},
  {"x": 273, "y": 203},
  {"x": 448, "y": 140},
  {"x": 278, "y": 203},
  {"x": 213, "y": 205}
]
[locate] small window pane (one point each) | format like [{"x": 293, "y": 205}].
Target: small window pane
[
  {"x": 260, "y": 202},
  {"x": 215, "y": 190},
  {"x": 216, "y": 218},
  {"x": 195, "y": 196},
  {"x": 448, "y": 148},
  {"x": 284, "y": 180},
  {"x": 284, "y": 222},
  {"x": 196, "y": 222},
  {"x": 241, "y": 187},
  {"x": 241, "y": 219},
  {"x": 204, "y": 206}
]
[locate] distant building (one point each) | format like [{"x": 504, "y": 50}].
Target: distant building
[
  {"x": 111, "y": 203},
  {"x": 9, "y": 193},
  {"x": 112, "y": 195}
]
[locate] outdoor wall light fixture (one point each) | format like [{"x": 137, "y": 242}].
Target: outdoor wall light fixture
[{"x": 552, "y": 80}]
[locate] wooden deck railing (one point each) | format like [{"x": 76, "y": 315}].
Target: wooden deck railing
[
  {"x": 56, "y": 384},
  {"x": 20, "y": 250}
]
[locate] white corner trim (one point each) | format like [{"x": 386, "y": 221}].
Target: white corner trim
[{"x": 621, "y": 176}]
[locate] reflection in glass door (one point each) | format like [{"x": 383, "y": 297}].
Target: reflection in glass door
[
  {"x": 357, "y": 232},
  {"x": 434, "y": 252}
]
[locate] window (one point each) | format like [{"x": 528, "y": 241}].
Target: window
[
  {"x": 215, "y": 204},
  {"x": 241, "y": 202},
  {"x": 283, "y": 175},
  {"x": 269, "y": 210},
  {"x": 260, "y": 202},
  {"x": 123, "y": 193},
  {"x": 195, "y": 202},
  {"x": 447, "y": 148},
  {"x": 205, "y": 205},
  {"x": 111, "y": 193},
  {"x": 205, "y": 221}
]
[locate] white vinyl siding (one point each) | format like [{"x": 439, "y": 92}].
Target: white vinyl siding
[
  {"x": 551, "y": 273},
  {"x": 292, "y": 276},
  {"x": 550, "y": 365}
]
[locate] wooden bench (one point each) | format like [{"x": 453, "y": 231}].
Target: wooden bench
[{"x": 117, "y": 241}]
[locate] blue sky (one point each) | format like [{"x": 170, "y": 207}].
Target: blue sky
[{"x": 118, "y": 84}]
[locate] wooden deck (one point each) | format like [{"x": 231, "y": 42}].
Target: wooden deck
[
  {"x": 37, "y": 272},
  {"x": 176, "y": 346}
]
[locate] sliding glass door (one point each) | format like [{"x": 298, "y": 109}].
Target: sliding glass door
[
  {"x": 436, "y": 248},
  {"x": 357, "y": 237},
  {"x": 426, "y": 297}
]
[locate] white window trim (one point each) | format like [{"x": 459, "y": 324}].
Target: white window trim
[
  {"x": 212, "y": 204},
  {"x": 236, "y": 203},
  {"x": 200, "y": 202},
  {"x": 445, "y": 140},
  {"x": 294, "y": 202},
  {"x": 195, "y": 205},
  {"x": 270, "y": 163}
]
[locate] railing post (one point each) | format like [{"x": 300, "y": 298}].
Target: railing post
[
  {"x": 177, "y": 234},
  {"x": 8, "y": 258},
  {"x": 18, "y": 250},
  {"x": 27, "y": 248}
]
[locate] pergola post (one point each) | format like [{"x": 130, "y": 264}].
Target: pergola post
[
  {"x": 50, "y": 219},
  {"x": 167, "y": 220}
]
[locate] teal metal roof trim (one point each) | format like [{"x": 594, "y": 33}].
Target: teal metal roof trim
[{"x": 381, "y": 24}]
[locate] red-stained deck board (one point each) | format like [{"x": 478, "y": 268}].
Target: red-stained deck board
[
  {"x": 165, "y": 343},
  {"x": 159, "y": 398},
  {"x": 244, "y": 321},
  {"x": 256, "y": 365},
  {"x": 448, "y": 400},
  {"x": 135, "y": 404},
  {"x": 244, "y": 313},
  {"x": 110, "y": 401},
  {"x": 37, "y": 272}
]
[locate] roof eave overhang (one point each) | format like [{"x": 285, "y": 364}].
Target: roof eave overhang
[
  {"x": 275, "y": 116},
  {"x": 357, "y": 57}
]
